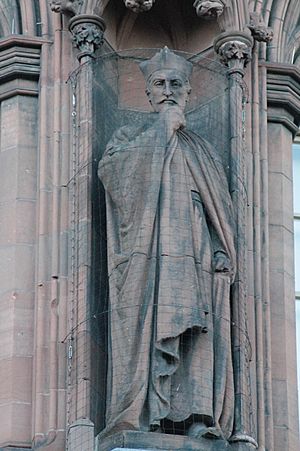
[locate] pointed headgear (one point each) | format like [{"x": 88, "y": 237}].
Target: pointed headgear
[{"x": 166, "y": 59}]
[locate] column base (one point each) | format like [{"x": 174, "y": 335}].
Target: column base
[{"x": 81, "y": 436}]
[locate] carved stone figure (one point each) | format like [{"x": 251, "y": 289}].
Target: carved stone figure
[
  {"x": 171, "y": 261},
  {"x": 209, "y": 9},
  {"x": 139, "y": 5},
  {"x": 259, "y": 30},
  {"x": 70, "y": 7}
]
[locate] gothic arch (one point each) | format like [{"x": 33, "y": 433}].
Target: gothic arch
[
  {"x": 10, "y": 18},
  {"x": 284, "y": 18},
  {"x": 26, "y": 17}
]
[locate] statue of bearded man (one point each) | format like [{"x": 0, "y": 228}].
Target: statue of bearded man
[{"x": 171, "y": 261}]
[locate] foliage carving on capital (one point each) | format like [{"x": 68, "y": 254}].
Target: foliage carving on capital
[
  {"x": 209, "y": 9},
  {"x": 88, "y": 32},
  {"x": 259, "y": 30},
  {"x": 234, "y": 49},
  {"x": 68, "y": 7},
  {"x": 138, "y": 6}
]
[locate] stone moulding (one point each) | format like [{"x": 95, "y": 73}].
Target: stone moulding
[
  {"x": 283, "y": 95},
  {"x": 19, "y": 66},
  {"x": 88, "y": 32},
  {"x": 209, "y": 9}
]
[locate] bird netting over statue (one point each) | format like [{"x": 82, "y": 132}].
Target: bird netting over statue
[{"x": 163, "y": 252}]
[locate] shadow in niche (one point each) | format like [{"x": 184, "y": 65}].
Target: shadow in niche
[
  {"x": 118, "y": 99},
  {"x": 172, "y": 23}
]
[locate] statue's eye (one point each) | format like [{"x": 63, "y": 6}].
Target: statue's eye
[
  {"x": 158, "y": 83},
  {"x": 176, "y": 83}
]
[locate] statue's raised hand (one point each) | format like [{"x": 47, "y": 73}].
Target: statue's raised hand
[{"x": 173, "y": 118}]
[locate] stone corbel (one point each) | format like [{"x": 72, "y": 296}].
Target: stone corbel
[
  {"x": 209, "y": 9},
  {"x": 138, "y": 6},
  {"x": 67, "y": 7},
  {"x": 259, "y": 30},
  {"x": 234, "y": 50},
  {"x": 88, "y": 32}
]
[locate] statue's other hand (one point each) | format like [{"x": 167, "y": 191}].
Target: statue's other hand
[
  {"x": 173, "y": 117},
  {"x": 222, "y": 262}
]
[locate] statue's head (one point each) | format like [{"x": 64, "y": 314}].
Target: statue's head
[{"x": 167, "y": 77}]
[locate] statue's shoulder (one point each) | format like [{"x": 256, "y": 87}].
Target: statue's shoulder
[{"x": 125, "y": 134}]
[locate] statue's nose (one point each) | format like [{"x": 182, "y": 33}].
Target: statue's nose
[{"x": 167, "y": 90}]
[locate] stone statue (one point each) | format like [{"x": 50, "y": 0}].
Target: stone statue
[{"x": 171, "y": 261}]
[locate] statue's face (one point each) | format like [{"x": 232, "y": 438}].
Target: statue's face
[{"x": 168, "y": 87}]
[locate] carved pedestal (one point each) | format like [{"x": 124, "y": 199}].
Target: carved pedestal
[{"x": 152, "y": 441}]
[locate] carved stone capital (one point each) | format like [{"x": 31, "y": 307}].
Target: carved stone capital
[
  {"x": 209, "y": 9},
  {"x": 87, "y": 31},
  {"x": 259, "y": 30},
  {"x": 68, "y": 7},
  {"x": 234, "y": 49},
  {"x": 139, "y": 6}
]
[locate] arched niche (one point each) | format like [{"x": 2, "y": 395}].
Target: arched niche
[
  {"x": 21, "y": 17},
  {"x": 174, "y": 24},
  {"x": 10, "y": 18},
  {"x": 284, "y": 18}
]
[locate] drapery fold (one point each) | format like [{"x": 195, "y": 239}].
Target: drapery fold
[{"x": 168, "y": 212}]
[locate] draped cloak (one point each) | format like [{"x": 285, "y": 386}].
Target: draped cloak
[{"x": 168, "y": 212}]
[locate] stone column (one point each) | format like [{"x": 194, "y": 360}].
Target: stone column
[
  {"x": 234, "y": 49},
  {"x": 19, "y": 92},
  {"x": 87, "y": 31},
  {"x": 283, "y": 90}
]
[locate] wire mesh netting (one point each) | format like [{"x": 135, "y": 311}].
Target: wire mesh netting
[{"x": 157, "y": 324}]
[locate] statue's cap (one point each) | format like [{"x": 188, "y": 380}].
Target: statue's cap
[{"x": 166, "y": 59}]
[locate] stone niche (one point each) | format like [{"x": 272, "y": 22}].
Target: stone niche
[{"x": 119, "y": 99}]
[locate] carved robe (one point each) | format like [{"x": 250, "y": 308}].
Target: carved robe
[{"x": 168, "y": 212}]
